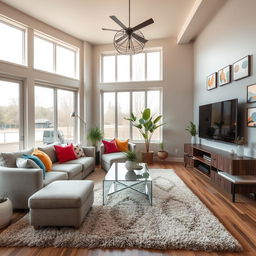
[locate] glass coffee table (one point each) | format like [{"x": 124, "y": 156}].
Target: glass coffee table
[{"x": 119, "y": 178}]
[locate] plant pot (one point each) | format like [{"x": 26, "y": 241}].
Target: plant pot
[
  {"x": 97, "y": 158},
  {"x": 130, "y": 165},
  {"x": 147, "y": 157},
  {"x": 162, "y": 154},
  {"x": 5, "y": 213},
  {"x": 131, "y": 175},
  {"x": 193, "y": 139},
  {"x": 240, "y": 150}
]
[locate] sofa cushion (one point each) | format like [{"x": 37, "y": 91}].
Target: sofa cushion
[
  {"x": 62, "y": 194},
  {"x": 86, "y": 162},
  {"x": 50, "y": 151},
  {"x": 114, "y": 157},
  {"x": 53, "y": 176},
  {"x": 65, "y": 153},
  {"x": 26, "y": 163},
  {"x": 122, "y": 145},
  {"x": 71, "y": 169},
  {"x": 110, "y": 146},
  {"x": 44, "y": 158},
  {"x": 10, "y": 158},
  {"x": 79, "y": 151}
]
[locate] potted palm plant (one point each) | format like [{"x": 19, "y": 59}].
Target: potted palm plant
[
  {"x": 5, "y": 211},
  {"x": 162, "y": 154},
  {"x": 147, "y": 124},
  {"x": 95, "y": 135},
  {"x": 191, "y": 128}
]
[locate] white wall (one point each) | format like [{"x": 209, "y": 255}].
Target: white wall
[
  {"x": 227, "y": 38},
  {"x": 177, "y": 87},
  {"x": 29, "y": 76}
]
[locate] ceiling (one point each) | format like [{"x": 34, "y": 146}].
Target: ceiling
[{"x": 85, "y": 18}]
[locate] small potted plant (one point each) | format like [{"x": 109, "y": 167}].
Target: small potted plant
[
  {"x": 191, "y": 128},
  {"x": 131, "y": 160},
  {"x": 240, "y": 142},
  {"x": 5, "y": 210},
  {"x": 162, "y": 154},
  {"x": 95, "y": 135}
]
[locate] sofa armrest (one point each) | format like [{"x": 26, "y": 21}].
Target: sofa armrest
[
  {"x": 89, "y": 151},
  {"x": 132, "y": 146},
  {"x": 19, "y": 184}
]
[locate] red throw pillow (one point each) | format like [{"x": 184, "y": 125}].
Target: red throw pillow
[
  {"x": 65, "y": 153},
  {"x": 110, "y": 146}
]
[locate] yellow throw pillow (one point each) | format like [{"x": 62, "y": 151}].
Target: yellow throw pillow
[
  {"x": 44, "y": 158},
  {"x": 122, "y": 145}
]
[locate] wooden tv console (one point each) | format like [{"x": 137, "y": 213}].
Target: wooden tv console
[{"x": 211, "y": 162}]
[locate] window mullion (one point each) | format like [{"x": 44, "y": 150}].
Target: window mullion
[
  {"x": 55, "y": 109},
  {"x": 54, "y": 58},
  {"x": 116, "y": 116}
]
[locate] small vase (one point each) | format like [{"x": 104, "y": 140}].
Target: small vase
[
  {"x": 193, "y": 139},
  {"x": 240, "y": 150},
  {"x": 5, "y": 213},
  {"x": 130, "y": 166}
]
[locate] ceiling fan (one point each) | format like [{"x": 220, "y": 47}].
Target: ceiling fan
[{"x": 129, "y": 40}]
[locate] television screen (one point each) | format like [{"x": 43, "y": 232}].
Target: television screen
[{"x": 218, "y": 121}]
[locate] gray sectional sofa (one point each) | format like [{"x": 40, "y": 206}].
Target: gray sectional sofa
[{"x": 21, "y": 183}]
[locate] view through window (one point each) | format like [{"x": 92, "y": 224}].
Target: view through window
[
  {"x": 54, "y": 104},
  {"x": 144, "y": 66},
  {"x": 10, "y": 119},
  {"x": 119, "y": 104}
]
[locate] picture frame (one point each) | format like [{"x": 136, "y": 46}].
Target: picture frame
[
  {"x": 211, "y": 81},
  {"x": 241, "y": 68},
  {"x": 251, "y": 117},
  {"x": 224, "y": 75},
  {"x": 251, "y": 93}
]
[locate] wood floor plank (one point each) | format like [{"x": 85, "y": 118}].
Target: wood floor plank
[{"x": 239, "y": 218}]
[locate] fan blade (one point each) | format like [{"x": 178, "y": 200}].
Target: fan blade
[
  {"x": 139, "y": 38},
  {"x": 121, "y": 38},
  {"x": 143, "y": 24},
  {"x": 110, "y": 29},
  {"x": 115, "y": 19}
]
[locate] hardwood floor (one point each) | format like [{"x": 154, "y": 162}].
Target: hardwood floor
[{"x": 239, "y": 218}]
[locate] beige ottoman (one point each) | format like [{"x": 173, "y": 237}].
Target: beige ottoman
[{"x": 61, "y": 203}]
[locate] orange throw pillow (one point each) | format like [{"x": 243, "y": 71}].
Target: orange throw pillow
[
  {"x": 44, "y": 158},
  {"x": 122, "y": 145}
]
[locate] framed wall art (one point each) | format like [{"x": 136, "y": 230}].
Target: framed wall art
[
  {"x": 251, "y": 93},
  {"x": 251, "y": 117},
  {"x": 211, "y": 81},
  {"x": 224, "y": 75},
  {"x": 241, "y": 68}
]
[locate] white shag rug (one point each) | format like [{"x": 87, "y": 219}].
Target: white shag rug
[{"x": 177, "y": 220}]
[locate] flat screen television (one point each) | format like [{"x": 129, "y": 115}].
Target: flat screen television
[{"x": 218, "y": 121}]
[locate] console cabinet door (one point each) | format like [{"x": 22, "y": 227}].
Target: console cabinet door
[{"x": 224, "y": 164}]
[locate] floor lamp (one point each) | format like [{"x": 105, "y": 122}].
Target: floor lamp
[{"x": 74, "y": 114}]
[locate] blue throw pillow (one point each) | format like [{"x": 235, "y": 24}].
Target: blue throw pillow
[{"x": 37, "y": 161}]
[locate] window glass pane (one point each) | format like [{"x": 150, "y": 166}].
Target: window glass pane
[
  {"x": 138, "y": 67},
  {"x": 109, "y": 115},
  {"x": 11, "y": 43},
  {"x": 153, "y": 66},
  {"x": 123, "y": 68},
  {"x": 44, "y": 116},
  {"x": 43, "y": 54},
  {"x": 9, "y": 116},
  {"x": 123, "y": 110},
  {"x": 138, "y": 105},
  {"x": 109, "y": 72},
  {"x": 154, "y": 105},
  {"x": 65, "y": 61},
  {"x": 66, "y": 124}
]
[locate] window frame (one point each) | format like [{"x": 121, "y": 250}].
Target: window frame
[
  {"x": 56, "y": 43},
  {"x": 14, "y": 24},
  {"x": 55, "y": 107},
  {"x": 22, "y": 112},
  {"x": 160, "y": 89},
  {"x": 146, "y": 51}
]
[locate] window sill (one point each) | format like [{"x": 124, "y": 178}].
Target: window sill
[
  {"x": 129, "y": 82},
  {"x": 13, "y": 63},
  {"x": 56, "y": 74}
]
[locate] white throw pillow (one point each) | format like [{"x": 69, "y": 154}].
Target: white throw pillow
[
  {"x": 26, "y": 163},
  {"x": 79, "y": 150}
]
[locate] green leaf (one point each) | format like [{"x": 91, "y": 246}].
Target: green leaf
[
  {"x": 146, "y": 114},
  {"x": 133, "y": 117},
  {"x": 145, "y": 136},
  {"x": 157, "y": 119},
  {"x": 142, "y": 121},
  {"x": 139, "y": 126}
]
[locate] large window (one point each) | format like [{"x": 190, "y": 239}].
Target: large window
[
  {"x": 12, "y": 43},
  {"x": 11, "y": 132},
  {"x": 119, "y": 104},
  {"x": 53, "y": 121},
  {"x": 146, "y": 66},
  {"x": 54, "y": 57}
]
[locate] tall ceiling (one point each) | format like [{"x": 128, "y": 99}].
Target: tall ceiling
[{"x": 85, "y": 18}]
